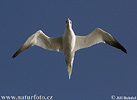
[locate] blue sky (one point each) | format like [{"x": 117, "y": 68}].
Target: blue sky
[{"x": 98, "y": 72}]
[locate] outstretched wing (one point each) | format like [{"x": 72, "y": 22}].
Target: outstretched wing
[
  {"x": 42, "y": 40},
  {"x": 97, "y": 36}
]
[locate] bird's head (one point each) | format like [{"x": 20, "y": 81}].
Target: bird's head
[{"x": 68, "y": 23}]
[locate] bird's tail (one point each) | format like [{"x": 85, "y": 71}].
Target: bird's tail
[
  {"x": 69, "y": 66},
  {"x": 69, "y": 71}
]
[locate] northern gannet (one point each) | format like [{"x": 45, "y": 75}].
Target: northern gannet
[{"x": 69, "y": 43}]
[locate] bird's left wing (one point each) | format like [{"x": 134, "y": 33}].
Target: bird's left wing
[
  {"x": 97, "y": 36},
  {"x": 42, "y": 40}
]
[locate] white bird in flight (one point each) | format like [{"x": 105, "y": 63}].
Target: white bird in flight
[{"x": 69, "y": 43}]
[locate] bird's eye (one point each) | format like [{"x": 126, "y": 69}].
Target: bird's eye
[{"x": 66, "y": 21}]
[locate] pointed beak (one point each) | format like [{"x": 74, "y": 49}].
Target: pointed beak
[
  {"x": 67, "y": 20},
  {"x": 68, "y": 23}
]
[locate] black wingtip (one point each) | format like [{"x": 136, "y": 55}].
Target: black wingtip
[
  {"x": 116, "y": 44},
  {"x": 125, "y": 51},
  {"x": 16, "y": 53},
  {"x": 119, "y": 46},
  {"x": 13, "y": 56}
]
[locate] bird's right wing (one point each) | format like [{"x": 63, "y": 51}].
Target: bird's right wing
[
  {"x": 97, "y": 36},
  {"x": 42, "y": 40}
]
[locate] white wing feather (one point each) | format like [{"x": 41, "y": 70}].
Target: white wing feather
[
  {"x": 97, "y": 36},
  {"x": 42, "y": 40}
]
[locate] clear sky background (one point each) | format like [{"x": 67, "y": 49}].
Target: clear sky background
[{"x": 98, "y": 72}]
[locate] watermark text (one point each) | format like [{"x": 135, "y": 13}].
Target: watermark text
[
  {"x": 26, "y": 97},
  {"x": 114, "y": 97}
]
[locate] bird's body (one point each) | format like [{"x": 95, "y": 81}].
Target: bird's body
[
  {"x": 69, "y": 43},
  {"x": 69, "y": 40}
]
